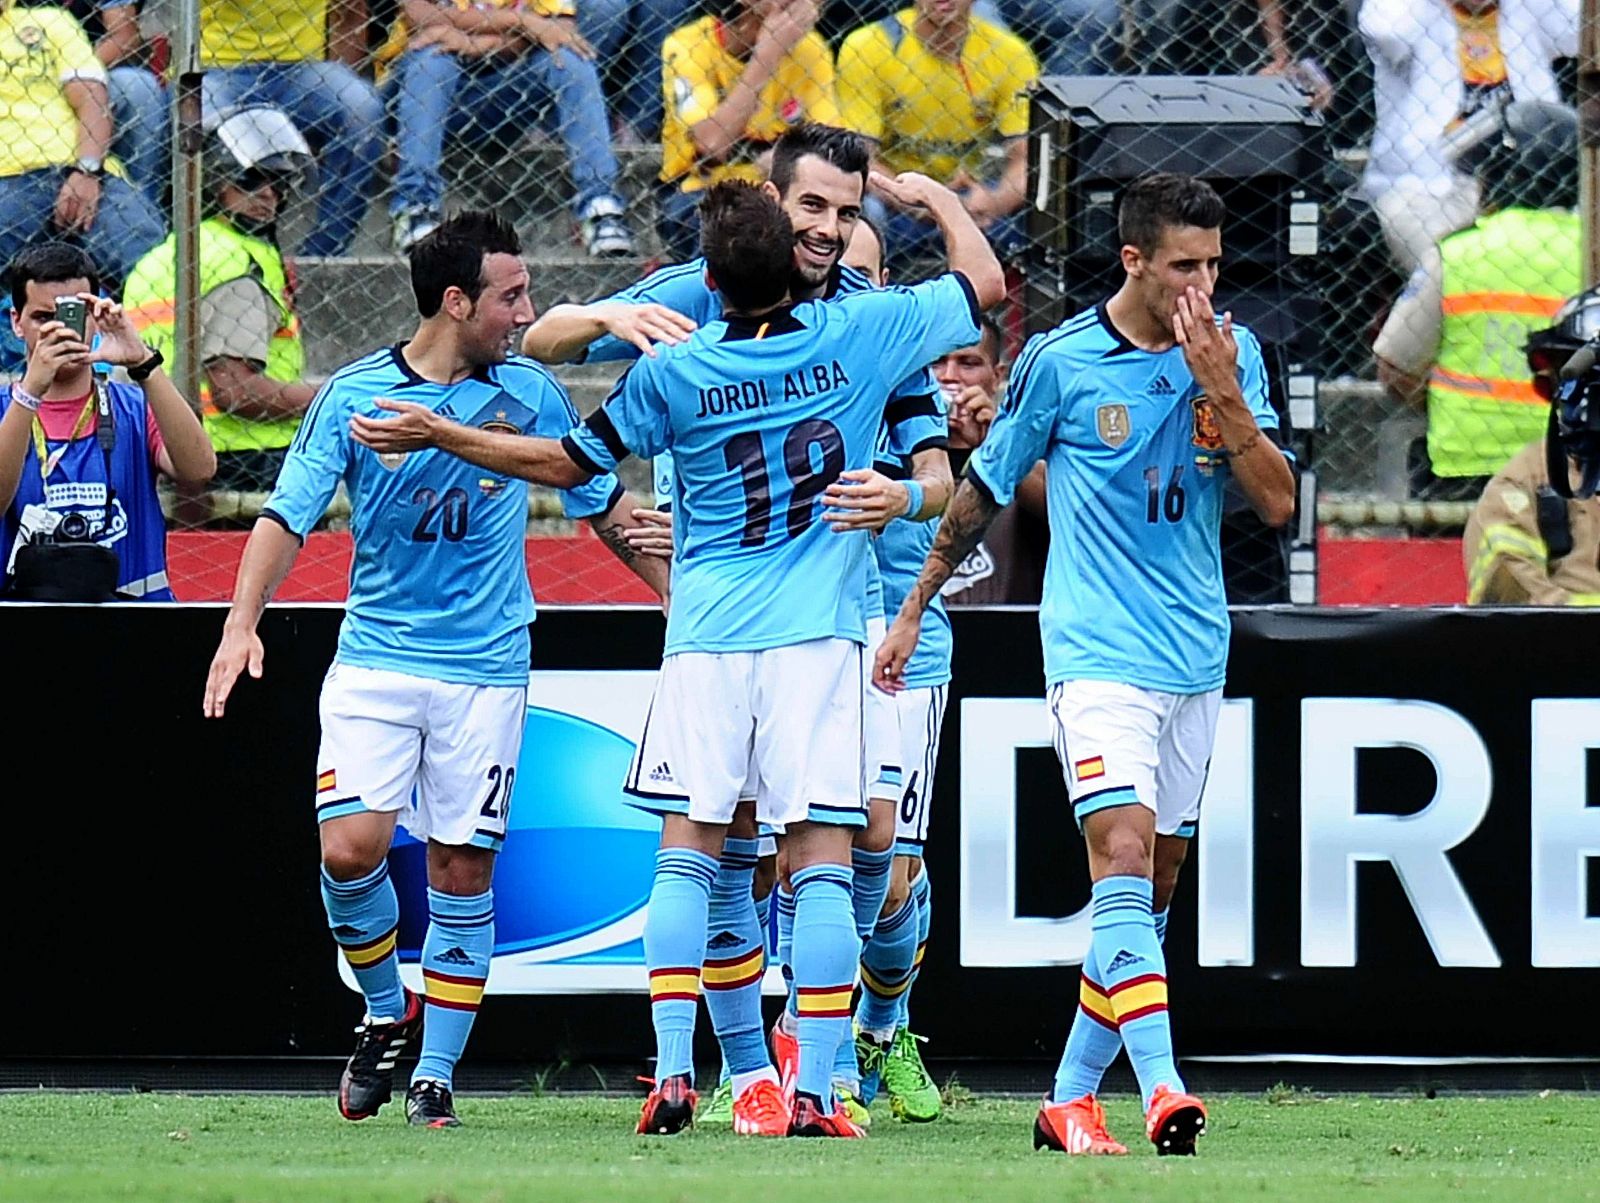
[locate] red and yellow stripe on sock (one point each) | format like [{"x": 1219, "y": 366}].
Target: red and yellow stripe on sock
[
  {"x": 667, "y": 985},
  {"x": 453, "y": 991},
  {"x": 1095, "y": 1003},
  {"x": 1138, "y": 997},
  {"x": 880, "y": 988},
  {"x": 732, "y": 973},
  {"x": 824, "y": 1002},
  {"x": 365, "y": 956}
]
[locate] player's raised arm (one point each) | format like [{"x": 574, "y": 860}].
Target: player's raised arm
[
  {"x": 967, "y": 248},
  {"x": 1212, "y": 354},
  {"x": 566, "y": 331}
]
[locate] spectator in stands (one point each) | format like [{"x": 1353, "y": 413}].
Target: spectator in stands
[
  {"x": 79, "y": 514},
  {"x": 627, "y": 36},
  {"x": 942, "y": 92},
  {"x": 1073, "y": 37},
  {"x": 252, "y": 389},
  {"x": 476, "y": 72},
  {"x": 733, "y": 81},
  {"x": 1526, "y": 544},
  {"x": 55, "y": 133},
  {"x": 138, "y": 101},
  {"x": 300, "y": 56},
  {"x": 1454, "y": 340},
  {"x": 1441, "y": 68}
]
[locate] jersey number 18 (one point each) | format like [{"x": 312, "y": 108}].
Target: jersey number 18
[{"x": 743, "y": 453}]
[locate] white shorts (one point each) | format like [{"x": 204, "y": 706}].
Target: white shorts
[
  {"x": 885, "y": 778},
  {"x": 444, "y": 755},
  {"x": 793, "y": 712},
  {"x": 1120, "y": 744},
  {"x": 921, "y": 720}
]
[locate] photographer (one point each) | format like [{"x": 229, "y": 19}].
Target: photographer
[
  {"x": 1534, "y": 538},
  {"x": 78, "y": 454}
]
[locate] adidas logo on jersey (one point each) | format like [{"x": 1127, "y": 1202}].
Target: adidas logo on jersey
[
  {"x": 1161, "y": 387},
  {"x": 1121, "y": 961},
  {"x": 725, "y": 939},
  {"x": 661, "y": 772},
  {"x": 454, "y": 956}
]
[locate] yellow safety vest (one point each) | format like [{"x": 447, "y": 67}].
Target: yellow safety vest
[
  {"x": 225, "y": 254},
  {"x": 1504, "y": 278}
]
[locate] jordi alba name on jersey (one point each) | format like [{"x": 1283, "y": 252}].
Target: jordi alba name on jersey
[
  {"x": 761, "y": 415},
  {"x": 1133, "y": 583},
  {"x": 439, "y": 582}
]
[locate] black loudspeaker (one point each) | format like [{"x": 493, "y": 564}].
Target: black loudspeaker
[{"x": 1258, "y": 142}]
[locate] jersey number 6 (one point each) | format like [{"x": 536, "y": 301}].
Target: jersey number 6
[{"x": 743, "y": 453}]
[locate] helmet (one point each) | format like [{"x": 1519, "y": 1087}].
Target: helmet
[
  {"x": 1574, "y": 435},
  {"x": 251, "y": 145},
  {"x": 1524, "y": 153},
  {"x": 1576, "y": 322}
]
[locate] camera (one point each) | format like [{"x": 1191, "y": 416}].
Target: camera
[
  {"x": 73, "y": 528},
  {"x": 74, "y": 314}
]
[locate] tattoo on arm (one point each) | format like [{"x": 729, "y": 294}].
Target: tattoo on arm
[
  {"x": 969, "y": 514},
  {"x": 611, "y": 535}
]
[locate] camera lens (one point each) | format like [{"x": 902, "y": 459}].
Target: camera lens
[{"x": 74, "y": 527}]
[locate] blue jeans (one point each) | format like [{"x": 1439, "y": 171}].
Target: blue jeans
[
  {"x": 339, "y": 113},
  {"x": 434, "y": 93},
  {"x": 125, "y": 226},
  {"x": 140, "y": 110},
  {"x": 679, "y": 224},
  {"x": 1071, "y": 37},
  {"x": 627, "y": 37},
  {"x": 908, "y": 239}
]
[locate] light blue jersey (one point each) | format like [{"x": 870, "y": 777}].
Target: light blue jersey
[
  {"x": 901, "y": 548},
  {"x": 439, "y": 584},
  {"x": 1133, "y": 585},
  {"x": 761, "y": 416}
]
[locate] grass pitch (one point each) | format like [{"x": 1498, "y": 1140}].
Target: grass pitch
[{"x": 244, "y": 1149}]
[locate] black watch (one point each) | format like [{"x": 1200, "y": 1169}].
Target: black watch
[{"x": 140, "y": 372}]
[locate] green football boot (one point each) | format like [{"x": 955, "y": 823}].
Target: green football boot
[
  {"x": 912, "y": 1093},
  {"x": 718, "y": 1111}
]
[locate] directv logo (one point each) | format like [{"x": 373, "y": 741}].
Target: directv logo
[
  {"x": 661, "y": 772},
  {"x": 1161, "y": 387}
]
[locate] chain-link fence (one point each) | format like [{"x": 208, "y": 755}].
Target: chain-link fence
[{"x": 1401, "y": 177}]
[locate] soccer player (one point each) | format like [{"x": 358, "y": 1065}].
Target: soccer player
[
  {"x": 423, "y": 708},
  {"x": 1142, "y": 408},
  {"x": 819, "y": 174},
  {"x": 762, "y": 409}
]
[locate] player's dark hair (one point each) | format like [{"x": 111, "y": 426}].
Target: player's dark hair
[
  {"x": 1156, "y": 202},
  {"x": 845, "y": 150},
  {"x": 990, "y": 338},
  {"x": 453, "y": 254},
  {"x": 49, "y": 263},
  {"x": 748, "y": 243}
]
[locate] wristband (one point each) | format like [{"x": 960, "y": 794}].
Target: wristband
[
  {"x": 24, "y": 398},
  {"x": 913, "y": 499}
]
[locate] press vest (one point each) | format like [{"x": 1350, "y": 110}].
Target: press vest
[
  {"x": 137, "y": 531},
  {"x": 1504, "y": 278},
  {"x": 225, "y": 254}
]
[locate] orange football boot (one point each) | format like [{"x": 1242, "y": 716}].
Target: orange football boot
[
  {"x": 1077, "y": 1128},
  {"x": 1174, "y": 1121}
]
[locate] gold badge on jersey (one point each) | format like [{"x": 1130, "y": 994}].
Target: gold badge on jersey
[
  {"x": 500, "y": 424},
  {"x": 1207, "y": 434},
  {"x": 1111, "y": 422}
]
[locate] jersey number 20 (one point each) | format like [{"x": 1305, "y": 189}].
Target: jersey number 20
[
  {"x": 450, "y": 510},
  {"x": 743, "y": 454}
]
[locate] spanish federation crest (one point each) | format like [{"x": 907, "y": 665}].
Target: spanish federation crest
[
  {"x": 1111, "y": 422},
  {"x": 500, "y": 424},
  {"x": 1207, "y": 434}
]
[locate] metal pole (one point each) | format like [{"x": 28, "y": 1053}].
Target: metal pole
[
  {"x": 187, "y": 137},
  {"x": 1589, "y": 138}
]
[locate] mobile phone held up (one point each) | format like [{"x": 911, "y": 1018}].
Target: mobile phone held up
[{"x": 73, "y": 313}]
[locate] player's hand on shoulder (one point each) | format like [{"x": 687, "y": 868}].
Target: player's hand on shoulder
[
  {"x": 411, "y": 429},
  {"x": 971, "y": 414},
  {"x": 862, "y": 499},
  {"x": 645, "y": 325},
  {"x": 240, "y": 651},
  {"x": 653, "y": 535},
  {"x": 1209, "y": 348}
]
